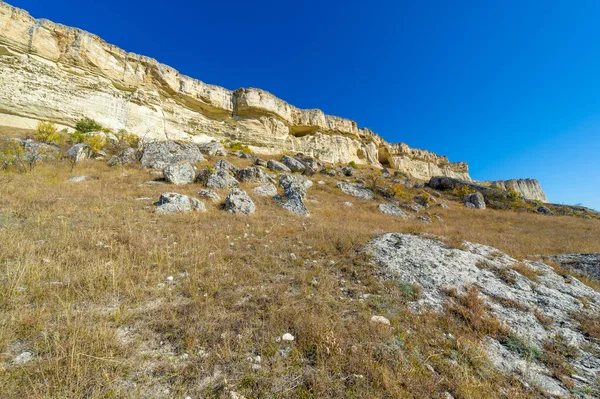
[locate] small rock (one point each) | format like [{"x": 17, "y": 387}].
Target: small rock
[
  {"x": 276, "y": 166},
  {"x": 380, "y": 320},
  {"x": 389, "y": 209},
  {"x": 210, "y": 194},
  {"x": 348, "y": 204},
  {"x": 24, "y": 358},
  {"x": 266, "y": 190},
  {"x": 238, "y": 201},
  {"x": 356, "y": 190},
  {"x": 78, "y": 179},
  {"x": 476, "y": 199},
  {"x": 178, "y": 203},
  {"x": 293, "y": 164},
  {"x": 180, "y": 173},
  {"x": 287, "y": 337}
]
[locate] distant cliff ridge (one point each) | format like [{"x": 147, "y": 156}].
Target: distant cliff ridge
[
  {"x": 528, "y": 188},
  {"x": 53, "y": 72}
]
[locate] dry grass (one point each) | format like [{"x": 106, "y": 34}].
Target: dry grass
[{"x": 84, "y": 285}]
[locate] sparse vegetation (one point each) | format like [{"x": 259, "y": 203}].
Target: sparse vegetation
[
  {"x": 88, "y": 125},
  {"x": 240, "y": 147},
  {"x": 11, "y": 155},
  {"x": 84, "y": 286},
  {"x": 353, "y": 165},
  {"x": 47, "y": 132}
]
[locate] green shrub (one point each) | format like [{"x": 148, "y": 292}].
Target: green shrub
[
  {"x": 48, "y": 133},
  {"x": 129, "y": 138},
  {"x": 87, "y": 125},
  {"x": 77, "y": 137},
  {"x": 353, "y": 165},
  {"x": 11, "y": 155},
  {"x": 96, "y": 142},
  {"x": 461, "y": 191},
  {"x": 240, "y": 147}
]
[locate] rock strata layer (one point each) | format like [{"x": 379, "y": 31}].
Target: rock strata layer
[{"x": 53, "y": 72}]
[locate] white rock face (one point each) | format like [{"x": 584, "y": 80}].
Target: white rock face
[
  {"x": 61, "y": 74},
  {"x": 528, "y": 188},
  {"x": 436, "y": 267}
]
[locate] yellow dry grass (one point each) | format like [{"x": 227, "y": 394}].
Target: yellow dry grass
[{"x": 84, "y": 286}]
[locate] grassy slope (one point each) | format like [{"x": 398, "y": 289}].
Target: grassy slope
[{"x": 83, "y": 284}]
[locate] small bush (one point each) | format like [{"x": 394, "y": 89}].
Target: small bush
[
  {"x": 11, "y": 155},
  {"x": 77, "y": 137},
  {"x": 130, "y": 139},
  {"x": 240, "y": 147},
  {"x": 87, "y": 125},
  {"x": 353, "y": 165},
  {"x": 461, "y": 191},
  {"x": 96, "y": 142},
  {"x": 48, "y": 133}
]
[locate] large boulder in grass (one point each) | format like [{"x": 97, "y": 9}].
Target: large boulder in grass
[
  {"x": 293, "y": 164},
  {"x": 276, "y": 166},
  {"x": 392, "y": 210},
  {"x": 226, "y": 166},
  {"x": 212, "y": 148},
  {"x": 126, "y": 157},
  {"x": 170, "y": 203},
  {"x": 293, "y": 200},
  {"x": 286, "y": 181},
  {"x": 356, "y": 190},
  {"x": 79, "y": 152},
  {"x": 253, "y": 174},
  {"x": 238, "y": 201},
  {"x": 475, "y": 200},
  {"x": 180, "y": 173},
  {"x": 265, "y": 190},
  {"x": 217, "y": 179},
  {"x": 159, "y": 154}
]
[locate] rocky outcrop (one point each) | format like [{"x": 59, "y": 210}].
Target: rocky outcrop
[
  {"x": 533, "y": 303},
  {"x": 528, "y": 188},
  {"x": 53, "y": 72}
]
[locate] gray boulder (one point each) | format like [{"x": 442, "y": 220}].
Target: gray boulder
[
  {"x": 223, "y": 165},
  {"x": 277, "y": 166},
  {"x": 348, "y": 171},
  {"x": 475, "y": 200},
  {"x": 211, "y": 148},
  {"x": 286, "y": 181},
  {"x": 34, "y": 151},
  {"x": 159, "y": 154},
  {"x": 389, "y": 209},
  {"x": 210, "y": 194},
  {"x": 356, "y": 190},
  {"x": 253, "y": 174},
  {"x": 79, "y": 152},
  {"x": 180, "y": 173},
  {"x": 266, "y": 190},
  {"x": 238, "y": 201},
  {"x": 293, "y": 164},
  {"x": 544, "y": 210},
  {"x": 178, "y": 203},
  {"x": 513, "y": 298},
  {"x": 126, "y": 157},
  {"x": 293, "y": 200},
  {"x": 217, "y": 179}
]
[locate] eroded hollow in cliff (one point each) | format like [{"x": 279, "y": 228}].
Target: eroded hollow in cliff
[{"x": 383, "y": 156}]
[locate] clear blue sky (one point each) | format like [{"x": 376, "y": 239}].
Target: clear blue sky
[{"x": 511, "y": 87}]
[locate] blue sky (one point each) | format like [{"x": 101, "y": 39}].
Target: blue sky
[{"x": 511, "y": 87}]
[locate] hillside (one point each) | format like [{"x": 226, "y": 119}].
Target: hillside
[{"x": 105, "y": 292}]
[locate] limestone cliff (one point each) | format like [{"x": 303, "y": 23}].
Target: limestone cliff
[
  {"x": 53, "y": 72},
  {"x": 529, "y": 188}
]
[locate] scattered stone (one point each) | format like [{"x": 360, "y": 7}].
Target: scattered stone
[
  {"x": 287, "y": 337},
  {"x": 24, "y": 357},
  {"x": 293, "y": 164},
  {"x": 277, "y": 166},
  {"x": 424, "y": 219},
  {"x": 34, "y": 151},
  {"x": 348, "y": 171},
  {"x": 544, "y": 210},
  {"x": 78, "y": 179},
  {"x": 444, "y": 205},
  {"x": 210, "y": 194},
  {"x": 287, "y": 181},
  {"x": 475, "y": 200},
  {"x": 178, "y": 203},
  {"x": 211, "y": 148},
  {"x": 238, "y": 201},
  {"x": 180, "y": 173},
  {"x": 380, "y": 320},
  {"x": 254, "y": 175},
  {"x": 356, "y": 190},
  {"x": 159, "y": 154},
  {"x": 321, "y": 183},
  {"x": 79, "y": 152},
  {"x": 226, "y": 166},
  {"x": 389, "y": 209},
  {"x": 348, "y": 204},
  {"x": 217, "y": 179},
  {"x": 260, "y": 162},
  {"x": 126, "y": 157},
  {"x": 266, "y": 190},
  {"x": 385, "y": 172}
]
